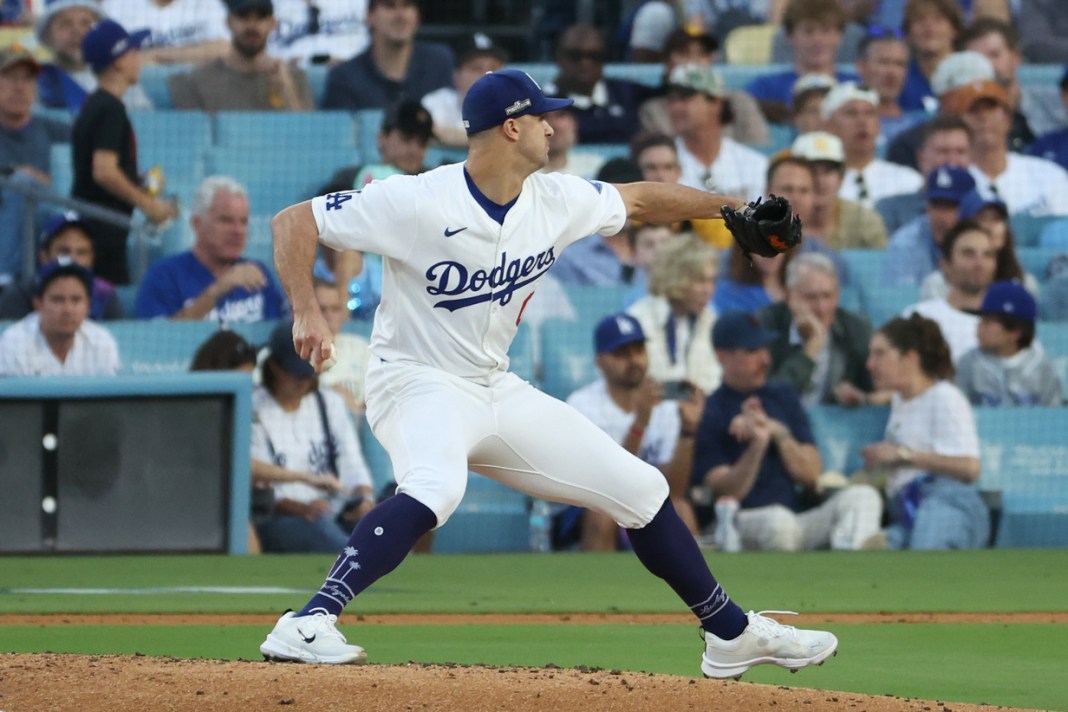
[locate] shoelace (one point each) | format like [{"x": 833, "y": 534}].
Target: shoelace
[
  {"x": 771, "y": 627},
  {"x": 323, "y": 623}
]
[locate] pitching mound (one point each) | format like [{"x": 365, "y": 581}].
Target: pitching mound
[{"x": 94, "y": 683}]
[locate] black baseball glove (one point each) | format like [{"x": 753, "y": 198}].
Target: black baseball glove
[{"x": 767, "y": 228}]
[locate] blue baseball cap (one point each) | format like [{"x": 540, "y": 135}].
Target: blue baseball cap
[
  {"x": 1009, "y": 299},
  {"x": 616, "y": 331},
  {"x": 507, "y": 94},
  {"x": 60, "y": 222},
  {"x": 949, "y": 184},
  {"x": 106, "y": 41},
  {"x": 283, "y": 351},
  {"x": 740, "y": 330},
  {"x": 973, "y": 203},
  {"x": 61, "y": 267}
]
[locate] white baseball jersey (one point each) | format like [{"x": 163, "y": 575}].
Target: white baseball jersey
[
  {"x": 455, "y": 281},
  {"x": 24, "y": 351},
  {"x": 178, "y": 24},
  {"x": 341, "y": 32}
]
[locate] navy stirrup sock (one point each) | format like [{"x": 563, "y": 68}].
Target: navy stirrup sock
[
  {"x": 378, "y": 544},
  {"x": 667, "y": 548}
]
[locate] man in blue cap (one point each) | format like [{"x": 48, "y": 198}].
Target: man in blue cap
[
  {"x": 756, "y": 453},
  {"x": 463, "y": 247},
  {"x": 105, "y": 148},
  {"x": 1006, "y": 369}
]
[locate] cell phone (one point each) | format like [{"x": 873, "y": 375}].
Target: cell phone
[{"x": 676, "y": 390}]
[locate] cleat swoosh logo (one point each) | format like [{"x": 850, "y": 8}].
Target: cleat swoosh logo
[
  {"x": 305, "y": 638},
  {"x": 450, "y": 233}
]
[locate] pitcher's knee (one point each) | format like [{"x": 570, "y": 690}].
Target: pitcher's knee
[{"x": 441, "y": 495}]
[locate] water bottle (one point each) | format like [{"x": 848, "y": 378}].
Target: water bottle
[{"x": 541, "y": 526}]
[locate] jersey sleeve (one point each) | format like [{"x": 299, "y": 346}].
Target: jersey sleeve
[
  {"x": 594, "y": 207},
  {"x": 379, "y": 218}
]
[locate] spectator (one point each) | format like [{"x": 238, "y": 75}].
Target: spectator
[
  {"x": 58, "y": 338},
  {"x": 676, "y": 317},
  {"x": 394, "y": 67},
  {"x": 722, "y": 16},
  {"x": 477, "y": 55},
  {"x": 992, "y": 216},
  {"x": 838, "y": 223},
  {"x": 1054, "y": 146},
  {"x": 64, "y": 236},
  {"x": 957, "y": 70},
  {"x": 1035, "y": 110},
  {"x": 930, "y": 26},
  {"x": 632, "y": 408},
  {"x": 1043, "y": 26},
  {"x": 105, "y": 148},
  {"x": 915, "y": 248},
  {"x": 212, "y": 280},
  {"x": 814, "y": 31},
  {"x": 1007, "y": 369},
  {"x": 651, "y": 25},
  {"x": 225, "y": 350},
  {"x": 806, "y": 98},
  {"x": 883, "y": 65},
  {"x": 751, "y": 283},
  {"x": 300, "y": 435},
  {"x": 563, "y": 158},
  {"x": 179, "y": 31},
  {"x": 850, "y": 113},
  {"x": 818, "y": 344},
  {"x": 25, "y": 152},
  {"x": 319, "y": 32},
  {"x": 945, "y": 140},
  {"x": 352, "y": 352},
  {"x": 66, "y": 81},
  {"x": 747, "y": 124},
  {"x": 756, "y": 452},
  {"x": 607, "y": 109},
  {"x": 709, "y": 160},
  {"x": 246, "y": 77},
  {"x": 968, "y": 264},
  {"x": 929, "y": 456},
  {"x": 1027, "y": 184}
]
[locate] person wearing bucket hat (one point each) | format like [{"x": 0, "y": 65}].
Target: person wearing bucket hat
[
  {"x": 58, "y": 338},
  {"x": 301, "y": 436},
  {"x": 1007, "y": 369},
  {"x": 104, "y": 146},
  {"x": 463, "y": 248}
]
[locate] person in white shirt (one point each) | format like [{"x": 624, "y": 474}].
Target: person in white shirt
[
  {"x": 299, "y": 428},
  {"x": 477, "y": 55},
  {"x": 182, "y": 31},
  {"x": 636, "y": 412},
  {"x": 1026, "y": 184},
  {"x": 930, "y": 452},
  {"x": 319, "y": 31},
  {"x": 58, "y": 338},
  {"x": 852, "y": 115},
  {"x": 710, "y": 161},
  {"x": 968, "y": 263}
]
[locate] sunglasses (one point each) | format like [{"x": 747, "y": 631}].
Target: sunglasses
[{"x": 577, "y": 55}]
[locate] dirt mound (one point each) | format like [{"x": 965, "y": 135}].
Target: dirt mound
[{"x": 105, "y": 683}]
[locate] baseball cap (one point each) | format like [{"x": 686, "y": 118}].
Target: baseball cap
[
  {"x": 51, "y": 9},
  {"x": 17, "y": 54},
  {"x": 949, "y": 184},
  {"x": 1009, "y": 299},
  {"x": 240, "y": 7},
  {"x": 508, "y": 94},
  {"x": 973, "y": 203},
  {"x": 958, "y": 69},
  {"x": 410, "y": 118},
  {"x": 842, "y": 94},
  {"x": 61, "y": 267},
  {"x": 106, "y": 41},
  {"x": 616, "y": 331},
  {"x": 811, "y": 82},
  {"x": 818, "y": 146},
  {"x": 964, "y": 98},
  {"x": 478, "y": 45},
  {"x": 697, "y": 77},
  {"x": 740, "y": 330},
  {"x": 285, "y": 353},
  {"x": 59, "y": 222}
]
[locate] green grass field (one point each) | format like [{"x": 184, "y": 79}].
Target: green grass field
[{"x": 1018, "y": 665}]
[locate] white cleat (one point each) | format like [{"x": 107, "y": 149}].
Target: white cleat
[
  {"x": 765, "y": 641},
  {"x": 310, "y": 639}
]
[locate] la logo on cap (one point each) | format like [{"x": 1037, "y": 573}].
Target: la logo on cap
[
  {"x": 943, "y": 180},
  {"x": 1009, "y": 307},
  {"x": 624, "y": 325}
]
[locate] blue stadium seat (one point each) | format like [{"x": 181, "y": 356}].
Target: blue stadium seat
[
  {"x": 298, "y": 129},
  {"x": 1027, "y": 229},
  {"x": 1053, "y": 335},
  {"x": 153, "y": 346},
  {"x": 608, "y": 151},
  {"x": 317, "y": 80},
  {"x": 376, "y": 456},
  {"x": 440, "y": 155},
  {"x": 189, "y": 130},
  {"x": 127, "y": 294},
  {"x": 1054, "y": 236},
  {"x": 368, "y": 123},
  {"x": 279, "y": 176},
  {"x": 154, "y": 80},
  {"x": 521, "y": 354},
  {"x": 865, "y": 266},
  {"x": 841, "y": 433},
  {"x": 591, "y": 304},
  {"x": 257, "y": 333},
  {"x": 61, "y": 168},
  {"x": 490, "y": 518},
  {"x": 882, "y": 303},
  {"x": 1035, "y": 259},
  {"x": 567, "y": 357},
  {"x": 779, "y": 138}
]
